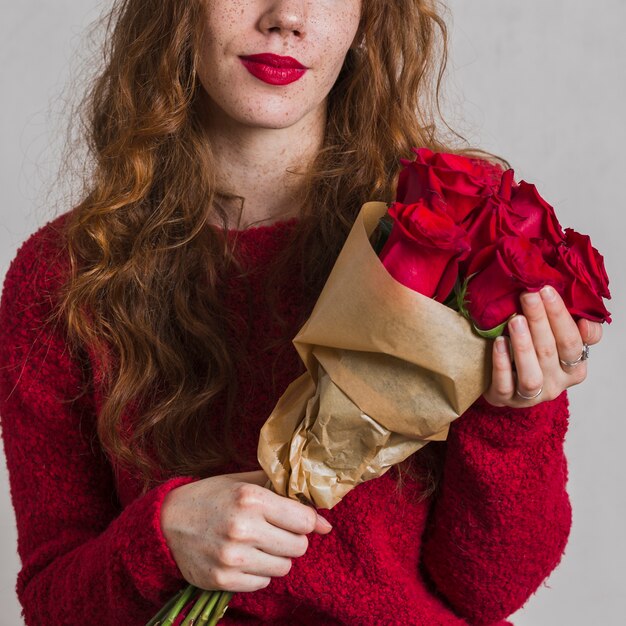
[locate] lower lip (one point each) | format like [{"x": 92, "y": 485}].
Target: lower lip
[{"x": 273, "y": 75}]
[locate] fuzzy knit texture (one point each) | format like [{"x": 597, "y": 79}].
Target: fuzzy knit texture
[{"x": 92, "y": 549}]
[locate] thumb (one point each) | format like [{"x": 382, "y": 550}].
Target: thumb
[{"x": 258, "y": 477}]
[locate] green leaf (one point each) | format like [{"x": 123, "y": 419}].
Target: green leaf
[
  {"x": 494, "y": 332},
  {"x": 461, "y": 300},
  {"x": 385, "y": 224}
]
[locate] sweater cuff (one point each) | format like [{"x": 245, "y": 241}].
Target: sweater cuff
[
  {"x": 509, "y": 427},
  {"x": 147, "y": 556}
]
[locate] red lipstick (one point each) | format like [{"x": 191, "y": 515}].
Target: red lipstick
[{"x": 274, "y": 69}]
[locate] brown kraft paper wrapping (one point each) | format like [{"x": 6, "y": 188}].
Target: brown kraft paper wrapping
[{"x": 388, "y": 370}]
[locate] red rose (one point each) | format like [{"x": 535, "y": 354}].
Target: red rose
[
  {"x": 587, "y": 281},
  {"x": 514, "y": 209},
  {"x": 502, "y": 272},
  {"x": 493, "y": 220},
  {"x": 424, "y": 248},
  {"x": 461, "y": 182},
  {"x": 447, "y": 201},
  {"x": 535, "y": 218},
  {"x": 581, "y": 254}
]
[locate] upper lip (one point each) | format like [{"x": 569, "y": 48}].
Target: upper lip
[{"x": 275, "y": 60}]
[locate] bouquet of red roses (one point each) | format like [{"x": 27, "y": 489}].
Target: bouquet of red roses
[
  {"x": 454, "y": 229},
  {"x": 397, "y": 345},
  {"x": 389, "y": 365}
]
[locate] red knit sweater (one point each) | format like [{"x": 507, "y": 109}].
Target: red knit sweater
[{"x": 92, "y": 550}]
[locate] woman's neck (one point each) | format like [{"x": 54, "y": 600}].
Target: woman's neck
[{"x": 253, "y": 163}]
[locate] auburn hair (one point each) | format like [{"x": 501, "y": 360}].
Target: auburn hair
[{"x": 144, "y": 267}]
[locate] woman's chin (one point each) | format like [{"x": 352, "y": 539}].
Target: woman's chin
[{"x": 272, "y": 119}]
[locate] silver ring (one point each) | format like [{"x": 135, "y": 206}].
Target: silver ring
[
  {"x": 584, "y": 355},
  {"x": 521, "y": 395}
]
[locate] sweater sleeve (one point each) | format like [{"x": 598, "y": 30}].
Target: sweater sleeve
[
  {"x": 84, "y": 559},
  {"x": 501, "y": 521}
]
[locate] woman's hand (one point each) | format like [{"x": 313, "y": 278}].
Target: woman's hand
[
  {"x": 231, "y": 533},
  {"x": 540, "y": 338}
]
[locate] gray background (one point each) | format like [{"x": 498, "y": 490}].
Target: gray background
[{"x": 541, "y": 83}]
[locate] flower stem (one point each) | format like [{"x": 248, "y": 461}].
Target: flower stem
[
  {"x": 164, "y": 610},
  {"x": 221, "y": 607},
  {"x": 178, "y": 606},
  {"x": 208, "y": 608},
  {"x": 198, "y": 607}
]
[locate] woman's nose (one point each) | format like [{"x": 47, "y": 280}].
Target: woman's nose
[{"x": 285, "y": 17}]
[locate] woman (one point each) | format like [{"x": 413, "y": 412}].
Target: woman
[{"x": 146, "y": 337}]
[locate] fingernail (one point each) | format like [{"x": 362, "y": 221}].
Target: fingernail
[
  {"x": 324, "y": 522},
  {"x": 519, "y": 324},
  {"x": 501, "y": 345},
  {"x": 531, "y": 298},
  {"x": 547, "y": 293},
  {"x": 585, "y": 328}
]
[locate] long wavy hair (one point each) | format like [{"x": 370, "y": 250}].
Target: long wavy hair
[{"x": 144, "y": 265}]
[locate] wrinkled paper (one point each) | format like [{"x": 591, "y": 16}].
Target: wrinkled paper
[{"x": 388, "y": 370}]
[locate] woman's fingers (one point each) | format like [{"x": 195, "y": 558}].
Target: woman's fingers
[
  {"x": 256, "y": 477},
  {"x": 540, "y": 331},
  {"x": 278, "y": 542},
  {"x": 230, "y": 532},
  {"x": 249, "y": 530},
  {"x": 590, "y": 332},
  {"x": 293, "y": 516},
  {"x": 238, "y": 582},
  {"x": 530, "y": 376},
  {"x": 546, "y": 348},
  {"x": 568, "y": 339},
  {"x": 527, "y": 379},
  {"x": 566, "y": 334},
  {"x": 234, "y": 558},
  {"x": 502, "y": 381},
  {"x": 262, "y": 564}
]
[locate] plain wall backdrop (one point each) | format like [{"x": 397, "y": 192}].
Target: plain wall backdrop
[{"x": 540, "y": 83}]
